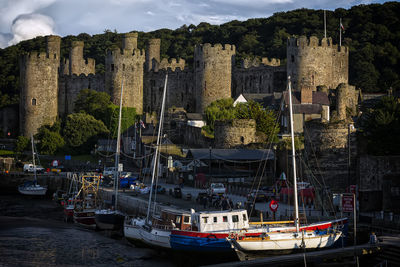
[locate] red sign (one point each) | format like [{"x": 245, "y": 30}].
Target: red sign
[
  {"x": 347, "y": 202},
  {"x": 353, "y": 188},
  {"x": 273, "y": 205}
]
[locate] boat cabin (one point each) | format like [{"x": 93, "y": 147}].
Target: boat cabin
[
  {"x": 173, "y": 219},
  {"x": 209, "y": 221}
]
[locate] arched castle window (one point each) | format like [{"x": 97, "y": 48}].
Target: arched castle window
[
  {"x": 312, "y": 79},
  {"x": 242, "y": 139},
  {"x": 205, "y": 85},
  {"x": 197, "y": 64},
  {"x": 123, "y": 67},
  {"x": 112, "y": 67},
  {"x": 292, "y": 57},
  {"x": 33, "y": 101},
  {"x": 182, "y": 97}
]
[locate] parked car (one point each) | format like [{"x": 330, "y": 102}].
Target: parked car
[
  {"x": 177, "y": 192},
  {"x": 30, "y": 168},
  {"x": 257, "y": 195},
  {"x": 216, "y": 189},
  {"x": 109, "y": 171}
]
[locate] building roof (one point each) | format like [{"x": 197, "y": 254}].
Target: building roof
[
  {"x": 318, "y": 98},
  {"x": 231, "y": 154},
  {"x": 194, "y": 116},
  {"x": 307, "y": 109},
  {"x": 266, "y": 100}
]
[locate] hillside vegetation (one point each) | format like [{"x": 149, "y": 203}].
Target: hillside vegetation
[{"x": 372, "y": 33}]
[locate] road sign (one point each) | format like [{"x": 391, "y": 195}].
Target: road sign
[
  {"x": 273, "y": 205},
  {"x": 67, "y": 157},
  {"x": 347, "y": 202}
]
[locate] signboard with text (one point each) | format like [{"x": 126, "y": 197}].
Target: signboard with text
[{"x": 347, "y": 202}]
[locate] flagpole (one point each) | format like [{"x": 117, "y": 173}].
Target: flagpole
[
  {"x": 340, "y": 33},
  {"x": 325, "y": 23}
]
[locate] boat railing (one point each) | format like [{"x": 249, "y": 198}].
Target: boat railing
[{"x": 271, "y": 222}]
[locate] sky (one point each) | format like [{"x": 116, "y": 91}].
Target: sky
[{"x": 26, "y": 19}]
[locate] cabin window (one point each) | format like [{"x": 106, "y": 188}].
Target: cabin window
[
  {"x": 244, "y": 217},
  {"x": 186, "y": 219},
  {"x": 215, "y": 219},
  {"x": 235, "y": 218},
  {"x": 205, "y": 219},
  {"x": 225, "y": 219},
  {"x": 178, "y": 219},
  {"x": 33, "y": 101}
]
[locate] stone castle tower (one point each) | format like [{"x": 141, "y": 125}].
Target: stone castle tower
[
  {"x": 311, "y": 63},
  {"x": 76, "y": 64},
  {"x": 213, "y": 73},
  {"x": 128, "y": 66},
  {"x": 152, "y": 53},
  {"x": 74, "y": 77},
  {"x": 39, "y": 87}
]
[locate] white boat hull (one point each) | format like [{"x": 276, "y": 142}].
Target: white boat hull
[
  {"x": 285, "y": 241},
  {"x": 136, "y": 230},
  {"x": 33, "y": 190}
]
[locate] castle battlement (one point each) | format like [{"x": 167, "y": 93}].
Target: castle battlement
[
  {"x": 172, "y": 63},
  {"x": 271, "y": 62},
  {"x": 210, "y": 49},
  {"x": 314, "y": 42},
  {"x": 119, "y": 53},
  {"x": 77, "y": 44},
  {"x": 38, "y": 56}
]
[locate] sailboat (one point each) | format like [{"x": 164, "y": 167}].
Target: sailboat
[
  {"x": 32, "y": 188},
  {"x": 113, "y": 219},
  {"x": 85, "y": 201},
  {"x": 288, "y": 240},
  {"x": 155, "y": 230}
]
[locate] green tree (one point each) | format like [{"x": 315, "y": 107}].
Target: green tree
[
  {"x": 381, "y": 127},
  {"x": 22, "y": 144},
  {"x": 93, "y": 103},
  {"x": 221, "y": 109},
  {"x": 50, "y": 141},
  {"x": 81, "y": 132},
  {"x": 128, "y": 118},
  {"x": 266, "y": 120}
]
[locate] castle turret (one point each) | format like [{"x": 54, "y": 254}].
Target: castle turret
[
  {"x": 152, "y": 53},
  {"x": 129, "y": 41},
  {"x": 77, "y": 64},
  {"x": 39, "y": 87},
  {"x": 213, "y": 73},
  {"x": 128, "y": 66},
  {"x": 312, "y": 63}
]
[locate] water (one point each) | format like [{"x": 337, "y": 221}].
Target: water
[{"x": 40, "y": 238}]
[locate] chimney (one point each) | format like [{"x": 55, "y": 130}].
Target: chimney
[{"x": 306, "y": 96}]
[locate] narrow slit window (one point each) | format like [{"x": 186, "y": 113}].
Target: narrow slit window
[{"x": 33, "y": 101}]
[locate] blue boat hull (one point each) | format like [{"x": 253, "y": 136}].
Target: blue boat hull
[{"x": 199, "y": 244}]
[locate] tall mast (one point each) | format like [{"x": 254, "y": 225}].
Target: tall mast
[
  {"x": 296, "y": 205},
  {"x": 155, "y": 163},
  {"x": 118, "y": 151},
  {"x": 33, "y": 158},
  {"x": 325, "y": 23}
]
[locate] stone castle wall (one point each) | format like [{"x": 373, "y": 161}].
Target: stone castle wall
[
  {"x": 213, "y": 73},
  {"x": 233, "y": 133},
  {"x": 312, "y": 63},
  {"x": 71, "y": 85},
  {"x": 39, "y": 87},
  {"x": 76, "y": 64},
  {"x": 346, "y": 101},
  {"x": 326, "y": 148},
  {"x": 262, "y": 79}
]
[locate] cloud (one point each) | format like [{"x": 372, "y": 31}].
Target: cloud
[{"x": 28, "y": 26}]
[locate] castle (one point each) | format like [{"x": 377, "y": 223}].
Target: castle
[{"x": 50, "y": 84}]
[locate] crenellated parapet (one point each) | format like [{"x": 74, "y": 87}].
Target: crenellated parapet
[
  {"x": 274, "y": 62},
  {"x": 76, "y": 64},
  {"x": 312, "y": 62},
  {"x": 217, "y": 50},
  {"x": 172, "y": 64}
]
